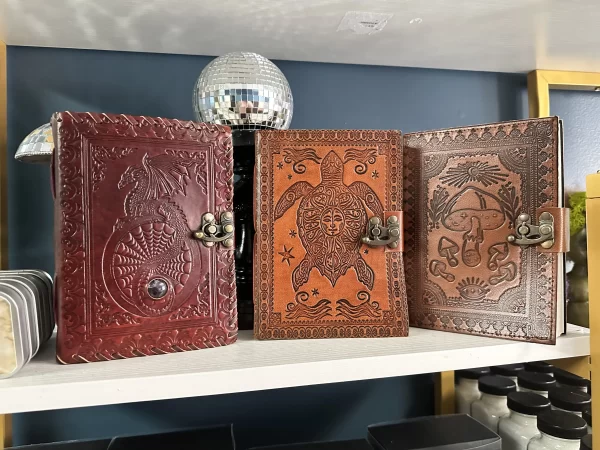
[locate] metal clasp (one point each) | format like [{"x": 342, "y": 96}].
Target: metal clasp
[
  {"x": 211, "y": 231},
  {"x": 378, "y": 234},
  {"x": 530, "y": 234}
]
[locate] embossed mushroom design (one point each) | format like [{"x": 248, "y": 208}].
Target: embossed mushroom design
[
  {"x": 447, "y": 248},
  {"x": 497, "y": 252},
  {"x": 507, "y": 272},
  {"x": 473, "y": 211},
  {"x": 438, "y": 269}
]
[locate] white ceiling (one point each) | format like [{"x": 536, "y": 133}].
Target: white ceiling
[{"x": 489, "y": 35}]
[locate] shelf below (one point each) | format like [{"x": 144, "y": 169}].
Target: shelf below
[{"x": 251, "y": 365}]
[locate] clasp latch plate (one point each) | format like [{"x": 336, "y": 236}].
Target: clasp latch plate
[
  {"x": 211, "y": 231},
  {"x": 379, "y": 235},
  {"x": 529, "y": 234}
]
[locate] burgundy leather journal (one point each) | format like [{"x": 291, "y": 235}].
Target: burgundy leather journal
[
  {"x": 143, "y": 238},
  {"x": 328, "y": 244},
  {"x": 485, "y": 230}
]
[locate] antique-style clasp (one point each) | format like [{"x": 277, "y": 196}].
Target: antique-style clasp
[
  {"x": 530, "y": 234},
  {"x": 378, "y": 235},
  {"x": 212, "y": 231}
]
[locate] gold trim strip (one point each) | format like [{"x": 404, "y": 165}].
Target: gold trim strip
[
  {"x": 5, "y": 420},
  {"x": 444, "y": 393},
  {"x": 3, "y": 160}
]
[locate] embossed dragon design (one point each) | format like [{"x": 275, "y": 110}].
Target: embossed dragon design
[{"x": 149, "y": 242}]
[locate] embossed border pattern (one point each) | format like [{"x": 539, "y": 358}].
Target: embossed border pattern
[
  {"x": 268, "y": 324},
  {"x": 540, "y": 188},
  {"x": 71, "y": 131}
]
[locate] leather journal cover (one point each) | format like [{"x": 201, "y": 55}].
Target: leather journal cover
[
  {"x": 328, "y": 244},
  {"x": 139, "y": 270},
  {"x": 479, "y": 203}
]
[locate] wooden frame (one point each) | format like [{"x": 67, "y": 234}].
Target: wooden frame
[
  {"x": 593, "y": 246},
  {"x": 3, "y": 144},
  {"x": 539, "y": 83},
  {"x": 5, "y": 420}
]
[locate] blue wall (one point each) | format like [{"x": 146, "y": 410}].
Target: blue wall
[
  {"x": 41, "y": 81},
  {"x": 579, "y": 112}
]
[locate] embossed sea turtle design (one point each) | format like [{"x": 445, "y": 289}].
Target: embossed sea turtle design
[{"x": 331, "y": 219}]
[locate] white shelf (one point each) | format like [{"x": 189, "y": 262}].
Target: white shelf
[
  {"x": 489, "y": 35},
  {"x": 251, "y": 365}
]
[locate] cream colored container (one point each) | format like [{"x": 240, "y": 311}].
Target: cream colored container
[
  {"x": 566, "y": 399},
  {"x": 467, "y": 390},
  {"x": 559, "y": 430},
  {"x": 537, "y": 382},
  {"x": 14, "y": 348},
  {"x": 517, "y": 429},
  {"x": 493, "y": 402}
]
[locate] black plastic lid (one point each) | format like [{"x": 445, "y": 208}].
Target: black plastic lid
[
  {"x": 562, "y": 424},
  {"x": 587, "y": 415},
  {"x": 568, "y": 399},
  {"x": 496, "y": 385},
  {"x": 528, "y": 403},
  {"x": 473, "y": 374},
  {"x": 539, "y": 366},
  {"x": 586, "y": 442},
  {"x": 570, "y": 379},
  {"x": 509, "y": 370},
  {"x": 536, "y": 381}
]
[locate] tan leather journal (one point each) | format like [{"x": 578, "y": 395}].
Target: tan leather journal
[
  {"x": 486, "y": 230},
  {"x": 328, "y": 245}
]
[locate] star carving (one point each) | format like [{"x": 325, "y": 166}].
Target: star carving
[
  {"x": 293, "y": 233},
  {"x": 286, "y": 255},
  {"x": 375, "y": 174},
  {"x": 289, "y": 176},
  {"x": 315, "y": 292},
  {"x": 280, "y": 165}
]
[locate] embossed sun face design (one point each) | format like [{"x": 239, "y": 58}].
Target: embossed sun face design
[
  {"x": 331, "y": 218},
  {"x": 474, "y": 171},
  {"x": 332, "y": 221}
]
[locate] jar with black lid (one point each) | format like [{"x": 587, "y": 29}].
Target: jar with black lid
[
  {"x": 493, "y": 402},
  {"x": 568, "y": 400},
  {"x": 539, "y": 367},
  {"x": 517, "y": 429},
  {"x": 559, "y": 430},
  {"x": 537, "y": 382},
  {"x": 570, "y": 380},
  {"x": 467, "y": 391},
  {"x": 587, "y": 416},
  {"x": 508, "y": 370},
  {"x": 586, "y": 442}
]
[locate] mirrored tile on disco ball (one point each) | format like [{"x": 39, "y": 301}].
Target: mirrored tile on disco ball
[
  {"x": 244, "y": 91},
  {"x": 37, "y": 147}
]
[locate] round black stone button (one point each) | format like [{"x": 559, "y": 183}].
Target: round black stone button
[{"x": 157, "y": 288}]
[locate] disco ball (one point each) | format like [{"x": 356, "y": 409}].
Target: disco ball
[
  {"x": 245, "y": 91},
  {"x": 37, "y": 147}
]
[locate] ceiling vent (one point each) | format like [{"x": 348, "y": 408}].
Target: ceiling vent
[{"x": 364, "y": 22}]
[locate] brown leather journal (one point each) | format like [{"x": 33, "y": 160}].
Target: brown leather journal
[
  {"x": 143, "y": 237},
  {"x": 480, "y": 205},
  {"x": 328, "y": 219}
]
